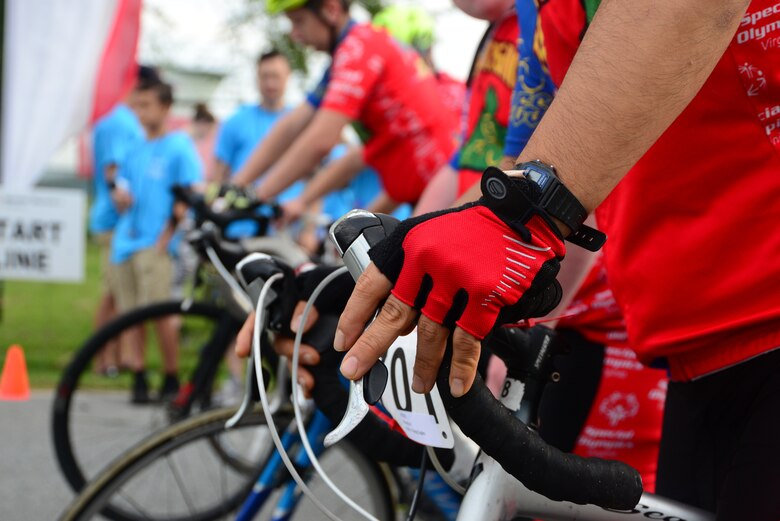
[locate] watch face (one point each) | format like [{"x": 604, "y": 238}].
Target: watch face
[{"x": 540, "y": 177}]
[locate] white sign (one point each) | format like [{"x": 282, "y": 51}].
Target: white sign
[
  {"x": 42, "y": 235},
  {"x": 421, "y": 416}
]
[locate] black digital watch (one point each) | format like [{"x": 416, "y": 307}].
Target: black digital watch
[{"x": 560, "y": 203}]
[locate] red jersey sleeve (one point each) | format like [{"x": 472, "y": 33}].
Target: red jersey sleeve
[{"x": 357, "y": 67}]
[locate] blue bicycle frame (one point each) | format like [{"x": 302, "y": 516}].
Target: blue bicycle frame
[{"x": 267, "y": 482}]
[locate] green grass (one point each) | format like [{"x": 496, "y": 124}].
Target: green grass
[{"x": 49, "y": 320}]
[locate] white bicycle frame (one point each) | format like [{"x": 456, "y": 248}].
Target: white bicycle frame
[{"x": 495, "y": 495}]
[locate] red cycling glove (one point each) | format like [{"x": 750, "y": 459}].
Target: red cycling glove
[{"x": 482, "y": 264}]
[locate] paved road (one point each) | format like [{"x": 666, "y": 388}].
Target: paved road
[{"x": 31, "y": 487}]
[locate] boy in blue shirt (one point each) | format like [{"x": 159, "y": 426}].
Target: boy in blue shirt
[
  {"x": 249, "y": 125},
  {"x": 148, "y": 218},
  {"x": 113, "y": 135}
]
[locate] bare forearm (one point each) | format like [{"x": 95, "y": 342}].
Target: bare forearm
[
  {"x": 221, "y": 171},
  {"x": 638, "y": 67},
  {"x": 440, "y": 192},
  {"x": 273, "y": 146},
  {"x": 305, "y": 154},
  {"x": 383, "y": 203},
  {"x": 109, "y": 173},
  {"x": 334, "y": 176}
]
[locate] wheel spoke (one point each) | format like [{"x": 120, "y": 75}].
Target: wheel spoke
[{"x": 180, "y": 483}]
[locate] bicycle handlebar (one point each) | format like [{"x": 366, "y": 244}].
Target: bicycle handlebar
[
  {"x": 516, "y": 447},
  {"x": 372, "y": 436},
  {"x": 203, "y": 211}
]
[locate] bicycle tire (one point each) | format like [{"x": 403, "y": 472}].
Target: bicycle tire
[
  {"x": 62, "y": 421},
  {"x": 203, "y": 425},
  {"x": 100, "y": 492}
]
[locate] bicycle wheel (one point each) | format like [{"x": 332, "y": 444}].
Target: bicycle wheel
[
  {"x": 167, "y": 477},
  {"x": 93, "y": 420},
  {"x": 362, "y": 479},
  {"x": 176, "y": 474}
]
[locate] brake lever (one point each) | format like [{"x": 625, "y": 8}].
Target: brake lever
[
  {"x": 351, "y": 235},
  {"x": 253, "y": 286},
  {"x": 246, "y": 403}
]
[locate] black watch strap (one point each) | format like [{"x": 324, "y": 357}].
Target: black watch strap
[
  {"x": 561, "y": 204},
  {"x": 587, "y": 237}
]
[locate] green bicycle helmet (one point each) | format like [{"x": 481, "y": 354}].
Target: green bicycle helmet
[
  {"x": 408, "y": 24},
  {"x": 273, "y": 7},
  {"x": 279, "y": 6}
]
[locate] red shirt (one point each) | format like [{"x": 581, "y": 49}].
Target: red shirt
[
  {"x": 452, "y": 93},
  {"x": 625, "y": 420},
  {"x": 594, "y": 313},
  {"x": 394, "y": 96},
  {"x": 694, "y": 251}
]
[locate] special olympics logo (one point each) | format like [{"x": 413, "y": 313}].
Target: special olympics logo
[{"x": 619, "y": 406}]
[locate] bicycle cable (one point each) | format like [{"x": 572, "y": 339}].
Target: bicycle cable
[
  {"x": 239, "y": 294},
  {"x": 418, "y": 491},
  {"x": 257, "y": 360},
  {"x": 296, "y": 407},
  {"x": 448, "y": 479}
]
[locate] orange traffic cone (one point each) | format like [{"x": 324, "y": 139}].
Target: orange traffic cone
[{"x": 14, "y": 384}]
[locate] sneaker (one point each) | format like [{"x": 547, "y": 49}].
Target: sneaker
[
  {"x": 231, "y": 393},
  {"x": 140, "y": 393},
  {"x": 170, "y": 388}
]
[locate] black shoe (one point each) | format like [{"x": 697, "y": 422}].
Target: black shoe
[
  {"x": 140, "y": 389},
  {"x": 170, "y": 388}
]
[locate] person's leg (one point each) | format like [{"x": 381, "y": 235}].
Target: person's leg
[
  {"x": 108, "y": 359},
  {"x": 750, "y": 488},
  {"x": 133, "y": 340},
  {"x": 685, "y": 459},
  {"x": 131, "y": 350},
  {"x": 719, "y": 448},
  {"x": 156, "y": 274}
]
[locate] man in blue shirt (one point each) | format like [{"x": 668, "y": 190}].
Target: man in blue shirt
[
  {"x": 148, "y": 218},
  {"x": 113, "y": 135},
  {"x": 250, "y": 123}
]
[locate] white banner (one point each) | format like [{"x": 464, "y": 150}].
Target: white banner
[
  {"x": 52, "y": 53},
  {"x": 42, "y": 235}
]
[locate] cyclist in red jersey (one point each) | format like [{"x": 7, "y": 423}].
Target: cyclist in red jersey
[
  {"x": 698, "y": 124},
  {"x": 602, "y": 372},
  {"x": 413, "y": 27},
  {"x": 373, "y": 81}
]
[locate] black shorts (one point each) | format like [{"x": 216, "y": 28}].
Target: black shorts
[{"x": 720, "y": 448}]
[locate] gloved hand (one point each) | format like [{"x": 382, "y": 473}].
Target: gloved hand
[
  {"x": 228, "y": 196},
  {"x": 331, "y": 301},
  {"x": 466, "y": 269}
]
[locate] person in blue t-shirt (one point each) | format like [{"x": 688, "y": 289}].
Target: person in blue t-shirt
[
  {"x": 239, "y": 135},
  {"x": 112, "y": 136},
  {"x": 148, "y": 219}
]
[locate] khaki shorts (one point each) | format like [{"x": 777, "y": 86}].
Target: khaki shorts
[
  {"x": 143, "y": 279},
  {"x": 107, "y": 270}
]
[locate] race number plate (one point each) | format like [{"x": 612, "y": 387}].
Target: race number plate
[{"x": 422, "y": 416}]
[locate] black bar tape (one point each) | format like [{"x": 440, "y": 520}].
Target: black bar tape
[{"x": 522, "y": 452}]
